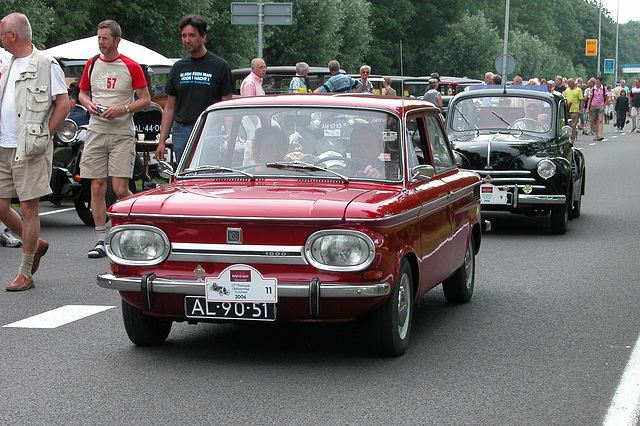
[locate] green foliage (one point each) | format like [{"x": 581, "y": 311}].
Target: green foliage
[
  {"x": 469, "y": 47},
  {"x": 453, "y": 38}
]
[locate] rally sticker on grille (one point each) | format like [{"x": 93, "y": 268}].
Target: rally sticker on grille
[{"x": 241, "y": 283}]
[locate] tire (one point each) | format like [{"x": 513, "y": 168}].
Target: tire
[
  {"x": 576, "y": 207},
  {"x": 83, "y": 202},
  {"x": 458, "y": 288},
  {"x": 391, "y": 322},
  {"x": 144, "y": 330},
  {"x": 560, "y": 218}
]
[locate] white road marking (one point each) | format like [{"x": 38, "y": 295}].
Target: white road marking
[
  {"x": 625, "y": 404},
  {"x": 59, "y": 316},
  {"x": 56, "y": 211}
]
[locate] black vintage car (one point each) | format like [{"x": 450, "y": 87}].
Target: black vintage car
[{"x": 517, "y": 140}]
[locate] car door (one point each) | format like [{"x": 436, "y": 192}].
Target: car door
[
  {"x": 461, "y": 201},
  {"x": 434, "y": 218}
]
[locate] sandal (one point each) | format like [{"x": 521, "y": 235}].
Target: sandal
[{"x": 97, "y": 251}]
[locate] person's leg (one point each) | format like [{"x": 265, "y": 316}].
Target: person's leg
[
  {"x": 121, "y": 187},
  {"x": 179, "y": 137},
  {"x": 98, "y": 204}
]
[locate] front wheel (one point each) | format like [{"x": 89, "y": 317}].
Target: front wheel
[
  {"x": 391, "y": 322},
  {"x": 458, "y": 288},
  {"x": 560, "y": 218},
  {"x": 142, "y": 329}
]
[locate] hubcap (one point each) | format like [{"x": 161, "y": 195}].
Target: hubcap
[
  {"x": 468, "y": 267},
  {"x": 403, "y": 306}
]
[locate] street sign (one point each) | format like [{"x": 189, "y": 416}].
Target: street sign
[
  {"x": 271, "y": 13},
  {"x": 510, "y": 64},
  {"x": 609, "y": 66},
  {"x": 592, "y": 47}
]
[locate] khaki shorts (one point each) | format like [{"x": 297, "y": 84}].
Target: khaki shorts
[
  {"x": 107, "y": 155},
  {"x": 26, "y": 179},
  {"x": 596, "y": 112}
]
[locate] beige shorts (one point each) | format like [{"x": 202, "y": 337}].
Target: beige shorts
[
  {"x": 26, "y": 179},
  {"x": 107, "y": 155}
]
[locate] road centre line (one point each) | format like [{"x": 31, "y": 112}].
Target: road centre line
[
  {"x": 56, "y": 211},
  {"x": 59, "y": 316},
  {"x": 626, "y": 401}
]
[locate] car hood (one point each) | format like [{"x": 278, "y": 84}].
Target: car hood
[
  {"x": 272, "y": 200},
  {"x": 499, "y": 151}
]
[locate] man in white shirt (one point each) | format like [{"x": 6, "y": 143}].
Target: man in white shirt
[{"x": 29, "y": 116}]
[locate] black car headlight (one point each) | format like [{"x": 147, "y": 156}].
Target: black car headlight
[
  {"x": 339, "y": 250},
  {"x": 137, "y": 245},
  {"x": 546, "y": 169}
]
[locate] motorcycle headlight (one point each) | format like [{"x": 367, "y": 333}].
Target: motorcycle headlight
[
  {"x": 137, "y": 245},
  {"x": 546, "y": 169},
  {"x": 68, "y": 131},
  {"x": 339, "y": 250}
]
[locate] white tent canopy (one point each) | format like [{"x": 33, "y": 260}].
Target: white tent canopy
[{"x": 86, "y": 48}]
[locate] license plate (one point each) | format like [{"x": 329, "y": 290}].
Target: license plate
[
  {"x": 490, "y": 194},
  {"x": 199, "y": 307}
]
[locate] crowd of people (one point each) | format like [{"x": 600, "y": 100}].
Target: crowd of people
[{"x": 592, "y": 104}]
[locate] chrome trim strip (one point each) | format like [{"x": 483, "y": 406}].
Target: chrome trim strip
[
  {"x": 542, "y": 199},
  {"x": 496, "y": 181},
  {"x": 226, "y": 253},
  {"x": 232, "y": 218},
  {"x": 285, "y": 289},
  {"x": 503, "y": 172}
]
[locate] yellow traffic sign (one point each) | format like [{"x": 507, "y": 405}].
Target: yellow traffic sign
[{"x": 592, "y": 47}]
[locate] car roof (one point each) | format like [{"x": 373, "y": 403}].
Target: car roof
[
  {"x": 341, "y": 100},
  {"x": 284, "y": 69},
  {"x": 506, "y": 91}
]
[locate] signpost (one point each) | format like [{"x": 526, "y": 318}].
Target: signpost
[
  {"x": 592, "y": 47},
  {"x": 261, "y": 14},
  {"x": 609, "y": 66}
]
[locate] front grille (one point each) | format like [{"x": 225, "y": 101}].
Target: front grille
[{"x": 508, "y": 177}]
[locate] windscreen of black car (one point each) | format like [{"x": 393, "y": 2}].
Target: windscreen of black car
[
  {"x": 502, "y": 112},
  {"x": 359, "y": 144}
]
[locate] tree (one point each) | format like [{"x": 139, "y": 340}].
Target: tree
[
  {"x": 470, "y": 47},
  {"x": 41, "y": 17},
  {"x": 535, "y": 58}
]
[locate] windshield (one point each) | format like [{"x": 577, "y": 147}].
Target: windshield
[
  {"x": 502, "y": 112},
  {"x": 296, "y": 141}
]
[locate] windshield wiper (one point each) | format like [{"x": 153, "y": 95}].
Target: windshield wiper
[
  {"x": 216, "y": 169},
  {"x": 300, "y": 165},
  {"x": 467, "y": 121},
  {"x": 501, "y": 119}
]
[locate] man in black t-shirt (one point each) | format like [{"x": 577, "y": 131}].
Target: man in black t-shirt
[{"x": 195, "y": 82}]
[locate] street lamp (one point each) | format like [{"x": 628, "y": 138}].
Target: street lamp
[{"x": 599, "y": 34}]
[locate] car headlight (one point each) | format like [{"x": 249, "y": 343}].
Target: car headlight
[
  {"x": 137, "y": 245},
  {"x": 546, "y": 169},
  {"x": 339, "y": 250},
  {"x": 67, "y": 131}
]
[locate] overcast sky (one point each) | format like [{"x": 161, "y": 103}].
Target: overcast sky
[{"x": 629, "y": 10}]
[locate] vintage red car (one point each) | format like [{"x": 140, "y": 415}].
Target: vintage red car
[{"x": 300, "y": 208}]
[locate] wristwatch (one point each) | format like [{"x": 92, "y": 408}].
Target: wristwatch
[{"x": 126, "y": 107}]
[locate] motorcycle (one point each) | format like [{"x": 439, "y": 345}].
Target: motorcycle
[{"x": 66, "y": 183}]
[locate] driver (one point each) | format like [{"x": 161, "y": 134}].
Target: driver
[
  {"x": 365, "y": 147},
  {"x": 533, "y": 110}
]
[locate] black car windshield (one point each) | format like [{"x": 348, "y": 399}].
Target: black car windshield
[
  {"x": 344, "y": 143},
  {"x": 502, "y": 112}
]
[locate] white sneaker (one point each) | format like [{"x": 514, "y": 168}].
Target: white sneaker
[{"x": 7, "y": 239}]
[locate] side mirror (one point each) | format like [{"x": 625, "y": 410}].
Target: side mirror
[
  {"x": 565, "y": 132},
  {"x": 165, "y": 170},
  {"x": 422, "y": 172}
]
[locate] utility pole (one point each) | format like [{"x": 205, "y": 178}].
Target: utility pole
[{"x": 599, "y": 35}]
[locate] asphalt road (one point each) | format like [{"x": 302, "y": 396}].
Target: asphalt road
[{"x": 544, "y": 341}]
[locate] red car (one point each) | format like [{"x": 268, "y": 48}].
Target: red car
[{"x": 300, "y": 208}]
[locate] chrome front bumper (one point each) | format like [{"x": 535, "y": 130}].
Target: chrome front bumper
[
  {"x": 541, "y": 199},
  {"x": 197, "y": 288}
]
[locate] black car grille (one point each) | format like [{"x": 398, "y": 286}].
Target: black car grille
[{"x": 508, "y": 177}]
